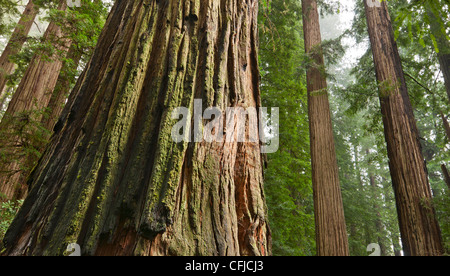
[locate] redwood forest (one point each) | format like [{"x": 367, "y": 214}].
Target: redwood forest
[{"x": 224, "y": 128}]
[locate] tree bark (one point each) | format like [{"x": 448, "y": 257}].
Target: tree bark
[
  {"x": 14, "y": 46},
  {"x": 378, "y": 221},
  {"x": 61, "y": 91},
  {"x": 113, "y": 181},
  {"x": 446, "y": 175},
  {"x": 396, "y": 245},
  {"x": 444, "y": 61},
  {"x": 30, "y": 99},
  {"x": 331, "y": 234},
  {"x": 418, "y": 225},
  {"x": 446, "y": 125}
]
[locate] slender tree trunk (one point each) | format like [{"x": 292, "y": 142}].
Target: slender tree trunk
[
  {"x": 61, "y": 92},
  {"x": 331, "y": 234},
  {"x": 4, "y": 98},
  {"x": 113, "y": 181},
  {"x": 368, "y": 228},
  {"x": 378, "y": 221},
  {"x": 444, "y": 61},
  {"x": 446, "y": 175},
  {"x": 446, "y": 125},
  {"x": 418, "y": 225},
  {"x": 396, "y": 245},
  {"x": 14, "y": 46},
  {"x": 31, "y": 97}
]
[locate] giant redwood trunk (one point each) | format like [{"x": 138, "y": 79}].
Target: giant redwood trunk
[
  {"x": 331, "y": 234},
  {"x": 27, "y": 105},
  {"x": 113, "y": 180},
  {"x": 418, "y": 226},
  {"x": 14, "y": 45}
]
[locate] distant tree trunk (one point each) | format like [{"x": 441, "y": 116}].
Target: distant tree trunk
[
  {"x": 418, "y": 225},
  {"x": 26, "y": 106},
  {"x": 446, "y": 175},
  {"x": 444, "y": 61},
  {"x": 331, "y": 234},
  {"x": 14, "y": 46},
  {"x": 396, "y": 245},
  {"x": 378, "y": 221},
  {"x": 113, "y": 181},
  {"x": 4, "y": 97},
  {"x": 61, "y": 91},
  {"x": 446, "y": 125},
  {"x": 368, "y": 228}
]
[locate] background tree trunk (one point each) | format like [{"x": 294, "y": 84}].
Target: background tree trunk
[
  {"x": 14, "y": 46},
  {"x": 331, "y": 234},
  {"x": 446, "y": 175},
  {"x": 446, "y": 125},
  {"x": 113, "y": 181},
  {"x": 61, "y": 92},
  {"x": 378, "y": 222},
  {"x": 27, "y": 104},
  {"x": 418, "y": 225}
]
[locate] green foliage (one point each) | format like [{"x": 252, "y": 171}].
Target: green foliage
[
  {"x": 422, "y": 20},
  {"x": 82, "y": 25},
  {"x": 27, "y": 134},
  {"x": 8, "y": 9},
  {"x": 288, "y": 174},
  {"x": 442, "y": 205},
  {"x": 8, "y": 210}
]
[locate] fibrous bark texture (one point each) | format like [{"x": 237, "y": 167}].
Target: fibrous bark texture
[
  {"x": 113, "y": 181},
  {"x": 331, "y": 234},
  {"x": 418, "y": 226},
  {"x": 25, "y": 110}
]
